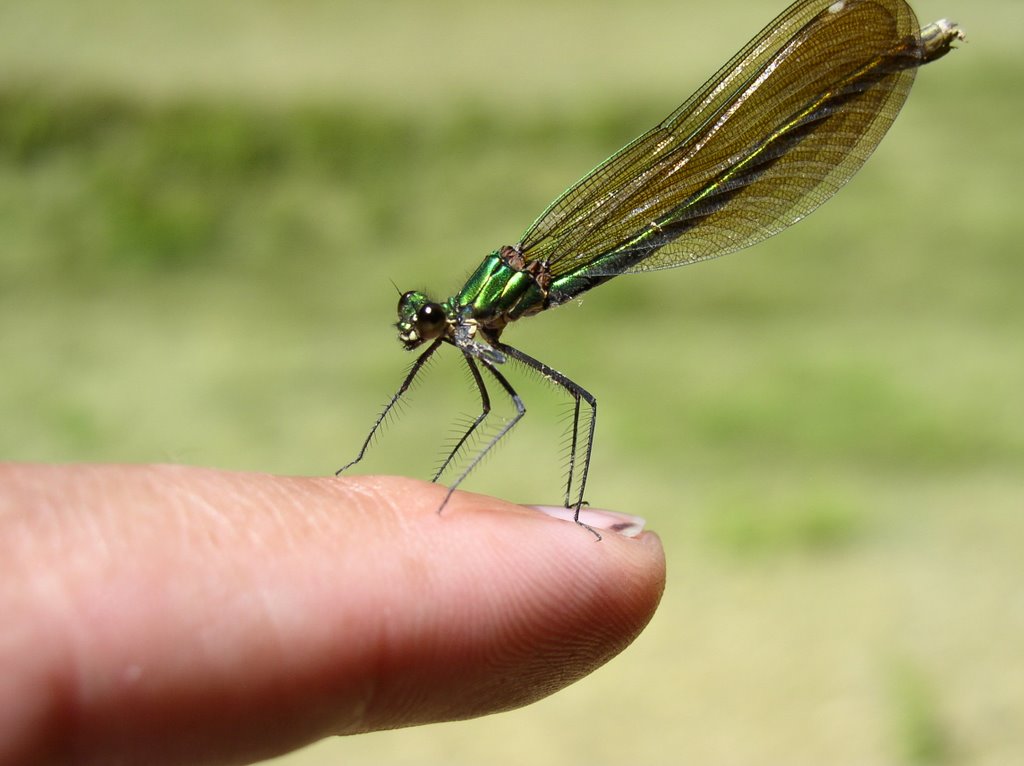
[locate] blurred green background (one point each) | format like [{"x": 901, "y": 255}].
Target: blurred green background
[{"x": 202, "y": 207}]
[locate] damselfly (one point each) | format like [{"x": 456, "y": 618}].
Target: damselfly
[{"x": 776, "y": 132}]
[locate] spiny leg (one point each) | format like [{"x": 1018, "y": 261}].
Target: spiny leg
[
  {"x": 485, "y": 408},
  {"x": 572, "y": 449},
  {"x": 413, "y": 372},
  {"x": 520, "y": 411},
  {"x": 577, "y": 392}
]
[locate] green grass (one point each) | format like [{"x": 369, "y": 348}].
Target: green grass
[
  {"x": 922, "y": 736},
  {"x": 201, "y": 218}
]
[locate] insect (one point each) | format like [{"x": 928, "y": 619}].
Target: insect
[{"x": 770, "y": 137}]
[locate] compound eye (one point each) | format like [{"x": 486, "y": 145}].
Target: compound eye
[
  {"x": 430, "y": 320},
  {"x": 404, "y": 300}
]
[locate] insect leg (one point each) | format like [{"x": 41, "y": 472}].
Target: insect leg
[
  {"x": 572, "y": 449},
  {"x": 485, "y": 408},
  {"x": 577, "y": 392},
  {"x": 413, "y": 372},
  {"x": 520, "y": 411}
]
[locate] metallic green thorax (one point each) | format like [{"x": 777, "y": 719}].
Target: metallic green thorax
[
  {"x": 504, "y": 288},
  {"x": 498, "y": 293}
]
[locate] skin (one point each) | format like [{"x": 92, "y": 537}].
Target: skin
[{"x": 167, "y": 614}]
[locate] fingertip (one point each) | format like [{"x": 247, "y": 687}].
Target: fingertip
[
  {"x": 535, "y": 561},
  {"x": 531, "y": 603}
]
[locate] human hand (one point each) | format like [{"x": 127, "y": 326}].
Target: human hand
[{"x": 166, "y": 614}]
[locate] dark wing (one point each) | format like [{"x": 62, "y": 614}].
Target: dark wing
[{"x": 770, "y": 137}]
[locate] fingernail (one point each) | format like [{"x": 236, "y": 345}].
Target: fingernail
[{"x": 607, "y": 521}]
